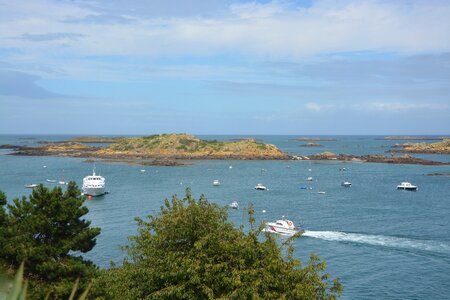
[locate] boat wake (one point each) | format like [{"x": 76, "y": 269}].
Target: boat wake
[{"x": 381, "y": 240}]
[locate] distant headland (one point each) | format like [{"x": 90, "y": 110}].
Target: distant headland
[{"x": 177, "y": 149}]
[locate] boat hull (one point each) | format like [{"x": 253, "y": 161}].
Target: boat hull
[
  {"x": 407, "y": 188},
  {"x": 94, "y": 192},
  {"x": 281, "y": 231}
]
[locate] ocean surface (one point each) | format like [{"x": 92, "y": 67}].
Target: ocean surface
[{"x": 381, "y": 242}]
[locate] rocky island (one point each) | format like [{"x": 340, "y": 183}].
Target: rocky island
[
  {"x": 176, "y": 149},
  {"x": 163, "y": 149},
  {"x": 413, "y": 138},
  {"x": 405, "y": 159},
  {"x": 311, "y": 145},
  {"x": 433, "y": 148}
]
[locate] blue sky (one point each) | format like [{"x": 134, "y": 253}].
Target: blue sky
[{"x": 225, "y": 67}]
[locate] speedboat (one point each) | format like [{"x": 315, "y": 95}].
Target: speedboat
[
  {"x": 282, "y": 227},
  {"x": 260, "y": 187},
  {"x": 407, "y": 186},
  {"x": 234, "y": 205},
  {"x": 93, "y": 185},
  {"x": 309, "y": 179},
  {"x": 216, "y": 182},
  {"x": 346, "y": 184},
  {"x": 31, "y": 186}
]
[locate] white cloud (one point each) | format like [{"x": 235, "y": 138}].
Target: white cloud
[
  {"x": 401, "y": 106},
  {"x": 318, "y": 107},
  {"x": 272, "y": 30}
]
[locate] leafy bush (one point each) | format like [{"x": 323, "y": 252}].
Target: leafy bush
[{"x": 191, "y": 251}]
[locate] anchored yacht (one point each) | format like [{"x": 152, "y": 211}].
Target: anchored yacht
[
  {"x": 93, "y": 185},
  {"x": 407, "y": 186}
]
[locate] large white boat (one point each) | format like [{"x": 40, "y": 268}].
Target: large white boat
[
  {"x": 93, "y": 185},
  {"x": 407, "y": 186},
  {"x": 282, "y": 227}
]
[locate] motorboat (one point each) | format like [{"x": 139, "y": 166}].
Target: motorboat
[
  {"x": 346, "y": 184},
  {"x": 31, "y": 186},
  {"x": 321, "y": 192},
  {"x": 282, "y": 227},
  {"x": 407, "y": 187},
  {"x": 52, "y": 180},
  {"x": 216, "y": 182},
  {"x": 93, "y": 185},
  {"x": 260, "y": 187},
  {"x": 309, "y": 179},
  {"x": 62, "y": 182},
  {"x": 234, "y": 205}
]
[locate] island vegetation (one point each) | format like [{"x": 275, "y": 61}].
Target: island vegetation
[
  {"x": 188, "y": 251},
  {"x": 162, "y": 149},
  {"x": 178, "y": 149},
  {"x": 442, "y": 147}
]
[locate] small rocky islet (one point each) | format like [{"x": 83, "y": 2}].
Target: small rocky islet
[
  {"x": 176, "y": 149},
  {"x": 442, "y": 147}
]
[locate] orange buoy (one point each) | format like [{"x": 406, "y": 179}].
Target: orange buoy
[{"x": 89, "y": 197}]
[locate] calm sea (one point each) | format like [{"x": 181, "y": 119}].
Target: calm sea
[{"x": 382, "y": 243}]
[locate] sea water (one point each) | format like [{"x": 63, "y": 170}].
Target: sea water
[{"x": 381, "y": 242}]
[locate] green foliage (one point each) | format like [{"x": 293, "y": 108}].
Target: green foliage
[
  {"x": 191, "y": 251},
  {"x": 45, "y": 231}
]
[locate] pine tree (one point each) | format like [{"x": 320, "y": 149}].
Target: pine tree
[{"x": 47, "y": 231}]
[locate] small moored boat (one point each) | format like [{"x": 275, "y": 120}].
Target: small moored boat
[
  {"x": 309, "y": 179},
  {"x": 234, "y": 205},
  {"x": 407, "y": 187},
  {"x": 31, "y": 186},
  {"x": 216, "y": 182},
  {"x": 260, "y": 187},
  {"x": 282, "y": 227},
  {"x": 346, "y": 184}
]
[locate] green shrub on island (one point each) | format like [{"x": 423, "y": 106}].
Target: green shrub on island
[
  {"x": 46, "y": 231},
  {"x": 191, "y": 251}
]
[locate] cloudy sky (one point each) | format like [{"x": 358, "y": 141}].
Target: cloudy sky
[{"x": 225, "y": 67}]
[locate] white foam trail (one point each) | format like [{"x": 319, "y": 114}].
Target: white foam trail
[{"x": 381, "y": 240}]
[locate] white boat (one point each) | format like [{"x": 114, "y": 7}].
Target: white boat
[
  {"x": 93, "y": 185},
  {"x": 407, "y": 186},
  {"x": 216, "y": 182},
  {"x": 260, "y": 187},
  {"x": 283, "y": 227},
  {"x": 346, "y": 184},
  {"x": 62, "y": 182},
  {"x": 52, "y": 180},
  {"x": 31, "y": 186},
  {"x": 234, "y": 205},
  {"x": 309, "y": 179},
  {"x": 322, "y": 193}
]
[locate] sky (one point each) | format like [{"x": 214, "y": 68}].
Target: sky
[{"x": 326, "y": 67}]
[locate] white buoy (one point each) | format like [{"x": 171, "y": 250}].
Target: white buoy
[
  {"x": 263, "y": 211},
  {"x": 44, "y": 166},
  {"x": 231, "y": 167}
]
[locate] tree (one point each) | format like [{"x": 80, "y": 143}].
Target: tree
[
  {"x": 46, "y": 232},
  {"x": 191, "y": 251}
]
